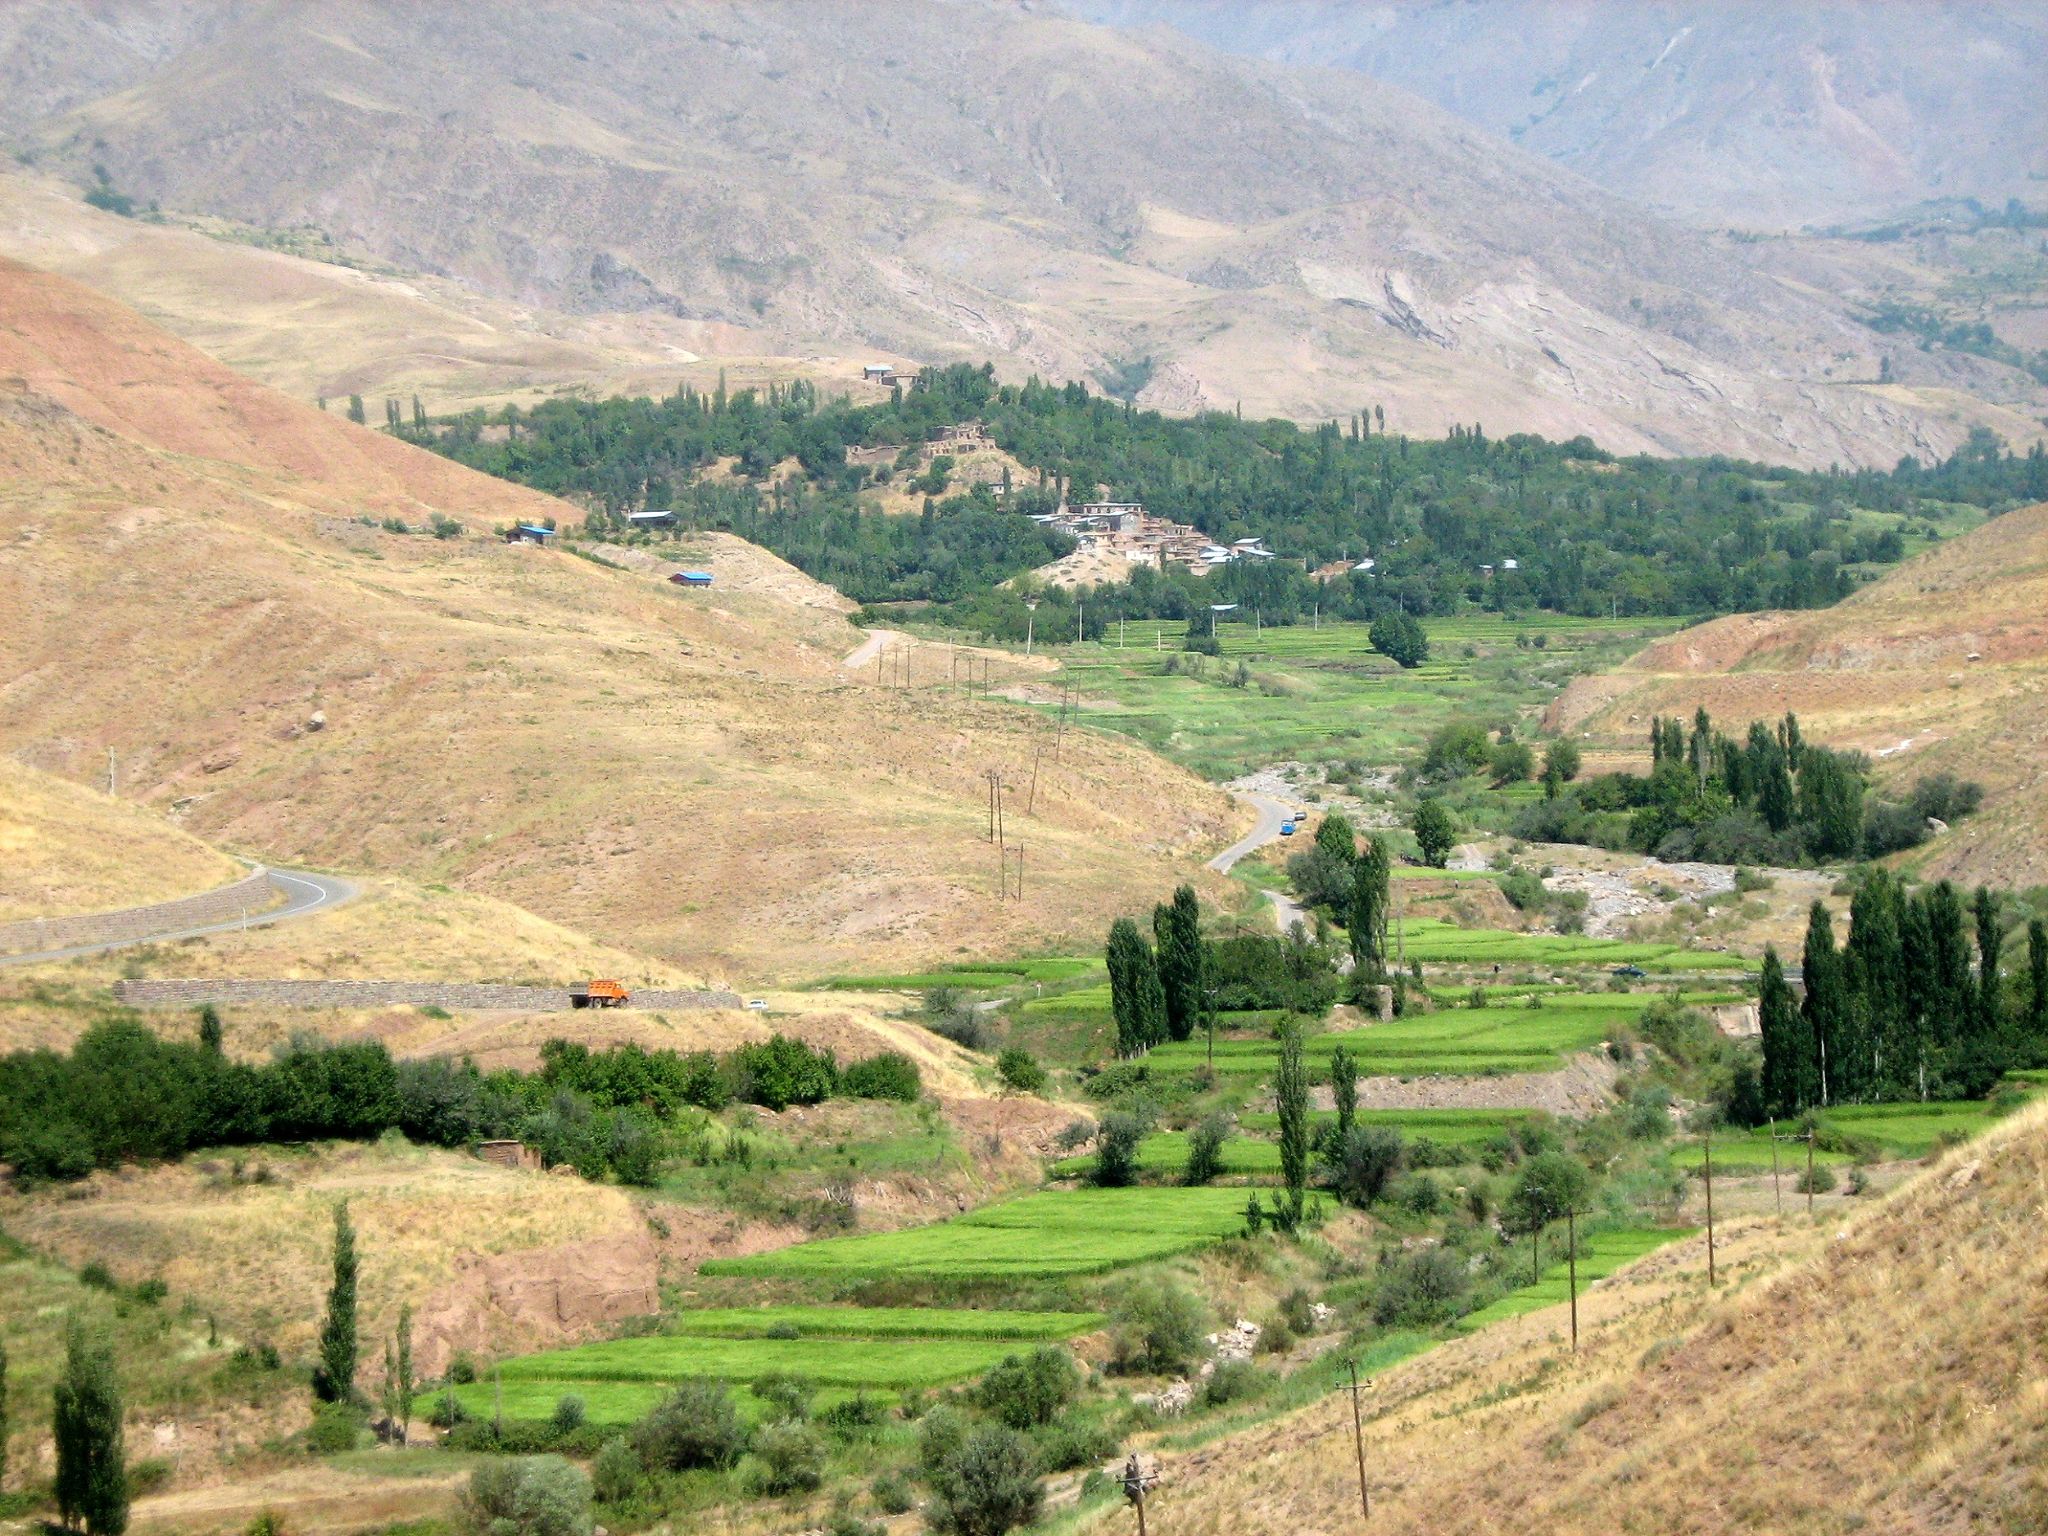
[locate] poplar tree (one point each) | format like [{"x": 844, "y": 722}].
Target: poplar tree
[
  {"x": 398, "y": 1375},
  {"x": 334, "y": 1378},
  {"x": 1989, "y": 941},
  {"x": 1367, "y": 919},
  {"x": 210, "y": 1029},
  {"x": 2037, "y": 977},
  {"x": 1290, "y": 1098},
  {"x": 1951, "y": 992},
  {"x": 1786, "y": 1040},
  {"x": 1136, "y": 1000},
  {"x": 92, "y": 1466},
  {"x": 1822, "y": 968},
  {"x": 1344, "y": 1091},
  {"x": 355, "y": 410},
  {"x": 1178, "y": 928}
]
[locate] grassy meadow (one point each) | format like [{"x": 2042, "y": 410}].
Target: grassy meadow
[{"x": 1600, "y": 1254}]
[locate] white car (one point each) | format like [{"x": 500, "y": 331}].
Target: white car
[{"x": 758, "y": 1004}]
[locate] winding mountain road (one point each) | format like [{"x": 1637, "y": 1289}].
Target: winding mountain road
[
  {"x": 304, "y": 891},
  {"x": 1272, "y": 814}
]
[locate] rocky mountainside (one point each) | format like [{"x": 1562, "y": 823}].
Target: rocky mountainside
[
  {"x": 1777, "y": 115},
  {"x": 958, "y": 181},
  {"x": 194, "y": 566}
]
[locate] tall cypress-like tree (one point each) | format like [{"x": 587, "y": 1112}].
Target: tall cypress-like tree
[
  {"x": 1370, "y": 887},
  {"x": 1952, "y": 991},
  {"x": 1336, "y": 838},
  {"x": 1344, "y": 1091},
  {"x": 2037, "y": 984},
  {"x": 210, "y": 1029},
  {"x": 1137, "y": 1001},
  {"x": 1290, "y": 1098},
  {"x": 399, "y": 1385},
  {"x": 1916, "y": 974},
  {"x": 1821, "y": 967},
  {"x": 92, "y": 1465},
  {"x": 334, "y": 1378},
  {"x": 1989, "y": 941},
  {"x": 1178, "y": 928},
  {"x": 1787, "y": 1042},
  {"x": 1874, "y": 969}
]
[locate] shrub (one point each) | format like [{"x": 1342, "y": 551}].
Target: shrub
[
  {"x": 1024, "y": 1391},
  {"x": 892, "y": 1494},
  {"x": 963, "y": 1024},
  {"x": 792, "y": 1458},
  {"x": 1157, "y": 1328},
  {"x": 787, "y": 1394},
  {"x": 778, "y": 1072},
  {"x": 616, "y": 1473},
  {"x": 1817, "y": 1182},
  {"x": 891, "y": 1075},
  {"x": 462, "y": 1368},
  {"x": 568, "y": 1414},
  {"x": 336, "y": 1427},
  {"x": 1205, "y": 1149},
  {"x": 1298, "y": 1310},
  {"x": 988, "y": 1486},
  {"x": 1419, "y": 1195},
  {"x": 531, "y": 1496},
  {"x": 857, "y": 1415},
  {"x": 1232, "y": 1381},
  {"x": 1072, "y": 1442},
  {"x": 1020, "y": 1070},
  {"x": 1359, "y": 1165},
  {"x": 447, "y": 1411},
  {"x": 940, "y": 1436},
  {"x": 695, "y": 1426},
  {"x": 1421, "y": 1290},
  {"x": 98, "y": 1277},
  {"x": 1116, "y": 1149}
]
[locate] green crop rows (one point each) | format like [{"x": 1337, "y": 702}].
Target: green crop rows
[
  {"x": 1602, "y": 1253},
  {"x": 1167, "y": 1152},
  {"x": 882, "y": 1323},
  {"x": 1448, "y": 1127},
  {"x": 1440, "y": 943},
  {"x": 1899, "y": 1130},
  {"x": 1055, "y": 1232},
  {"x": 976, "y": 976}
]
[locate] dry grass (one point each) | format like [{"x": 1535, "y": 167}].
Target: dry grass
[
  {"x": 1889, "y": 671},
  {"x": 66, "y": 849},
  {"x": 1883, "y": 1372},
  {"x": 688, "y": 775}
]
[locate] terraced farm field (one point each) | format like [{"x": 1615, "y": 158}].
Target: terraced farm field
[
  {"x": 1447, "y": 1127},
  {"x": 1324, "y": 693},
  {"x": 1900, "y": 1131},
  {"x": 1602, "y": 1253},
  {"x": 1055, "y": 1232},
  {"x": 1500, "y": 1037},
  {"x": 1439, "y": 943},
  {"x": 1166, "y": 1152},
  {"x": 842, "y": 1350},
  {"x": 973, "y": 976}
]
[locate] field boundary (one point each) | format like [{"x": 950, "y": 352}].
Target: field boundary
[
  {"x": 254, "y": 893},
  {"x": 468, "y": 997}
]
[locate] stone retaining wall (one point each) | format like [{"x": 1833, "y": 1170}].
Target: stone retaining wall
[
  {"x": 454, "y": 996},
  {"x": 254, "y": 894}
]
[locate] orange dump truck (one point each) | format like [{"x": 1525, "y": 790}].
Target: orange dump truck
[{"x": 599, "y": 994}]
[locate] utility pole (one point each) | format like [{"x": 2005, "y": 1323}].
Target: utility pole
[
  {"x": 1020, "y": 871},
  {"x": 990, "y": 775},
  {"x": 1030, "y": 618},
  {"x": 110, "y": 773},
  {"x": 1078, "y": 606},
  {"x": 1707, "y": 1147},
  {"x": 1358, "y": 1441},
  {"x": 1571, "y": 1218},
  {"x": 1031, "y": 805},
  {"x": 1809, "y": 1173},
  {"x": 1777, "y": 1194},
  {"x": 1137, "y": 1483}
]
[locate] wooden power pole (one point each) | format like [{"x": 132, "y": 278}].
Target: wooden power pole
[
  {"x": 1358, "y": 1441},
  {"x": 1571, "y": 1218},
  {"x": 1707, "y": 1149}
]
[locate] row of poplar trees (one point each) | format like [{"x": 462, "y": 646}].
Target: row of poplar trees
[
  {"x": 1899, "y": 1011},
  {"x": 1156, "y": 987}
]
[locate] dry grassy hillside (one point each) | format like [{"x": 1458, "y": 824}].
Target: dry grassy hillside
[
  {"x": 964, "y": 181},
  {"x": 1940, "y": 665},
  {"x": 66, "y": 849},
  {"x": 1882, "y": 1373},
  {"x": 686, "y": 774}
]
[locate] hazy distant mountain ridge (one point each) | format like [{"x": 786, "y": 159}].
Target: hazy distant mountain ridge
[{"x": 1780, "y": 115}]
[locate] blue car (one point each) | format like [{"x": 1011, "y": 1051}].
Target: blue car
[{"x": 1287, "y": 829}]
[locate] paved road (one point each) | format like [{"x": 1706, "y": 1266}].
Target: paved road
[
  {"x": 304, "y": 892},
  {"x": 1286, "y": 910}
]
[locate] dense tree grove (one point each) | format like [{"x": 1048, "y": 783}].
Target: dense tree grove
[
  {"x": 1898, "y": 1012},
  {"x": 125, "y": 1094},
  {"x": 1771, "y": 798},
  {"x": 1587, "y": 533}
]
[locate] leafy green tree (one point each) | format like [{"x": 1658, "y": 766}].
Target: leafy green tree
[
  {"x": 1787, "y": 1041},
  {"x": 1360, "y": 1163},
  {"x": 356, "y": 413},
  {"x": 92, "y": 1468},
  {"x": 1399, "y": 638},
  {"x": 399, "y": 1385},
  {"x": 1436, "y": 833},
  {"x": 1290, "y": 1095},
  {"x": 1562, "y": 758},
  {"x": 1549, "y": 1185},
  {"x": 1990, "y": 938},
  {"x": 1116, "y": 1149},
  {"x": 334, "y": 1378},
  {"x": 696, "y": 1425},
  {"x": 2037, "y": 983},
  {"x": 1205, "y": 1149},
  {"x": 1137, "y": 1001},
  {"x": 210, "y": 1029},
  {"x": 1344, "y": 1090},
  {"x": 1336, "y": 838},
  {"x": 1511, "y": 762},
  {"x": 1178, "y": 928},
  {"x": 1026, "y": 1391},
  {"x": 1371, "y": 879},
  {"x": 1775, "y": 800},
  {"x": 1830, "y": 804}
]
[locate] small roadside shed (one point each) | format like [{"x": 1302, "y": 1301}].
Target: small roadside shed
[
  {"x": 528, "y": 533},
  {"x": 691, "y": 579}
]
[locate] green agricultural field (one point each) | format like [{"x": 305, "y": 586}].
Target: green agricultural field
[
  {"x": 1055, "y": 1232},
  {"x": 883, "y": 1323},
  {"x": 1440, "y": 943},
  {"x": 894, "y": 1363},
  {"x": 976, "y": 976},
  {"x": 1166, "y": 1152},
  {"x": 604, "y": 1402},
  {"x": 1500, "y": 1037},
  {"x": 1323, "y": 694},
  {"x": 1899, "y": 1130},
  {"x": 1447, "y": 1127},
  {"x": 1603, "y": 1253}
]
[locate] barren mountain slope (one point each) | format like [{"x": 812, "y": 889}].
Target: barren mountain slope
[
  {"x": 1942, "y": 664},
  {"x": 966, "y": 181},
  {"x": 189, "y": 577},
  {"x": 1780, "y": 115},
  {"x": 1883, "y": 1372}
]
